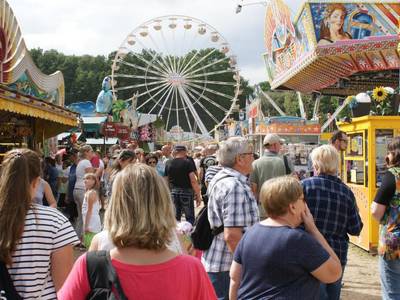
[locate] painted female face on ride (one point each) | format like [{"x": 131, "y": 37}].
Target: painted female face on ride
[{"x": 336, "y": 20}]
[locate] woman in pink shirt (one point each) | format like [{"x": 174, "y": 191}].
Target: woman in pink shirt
[{"x": 140, "y": 221}]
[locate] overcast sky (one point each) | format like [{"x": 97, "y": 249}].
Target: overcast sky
[{"x": 99, "y": 27}]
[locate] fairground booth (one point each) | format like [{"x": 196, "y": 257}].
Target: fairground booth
[
  {"x": 31, "y": 103},
  {"x": 347, "y": 49}
]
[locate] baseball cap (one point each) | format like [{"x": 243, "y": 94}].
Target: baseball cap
[
  {"x": 272, "y": 138},
  {"x": 180, "y": 148}
]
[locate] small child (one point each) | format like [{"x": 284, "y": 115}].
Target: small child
[{"x": 91, "y": 209}]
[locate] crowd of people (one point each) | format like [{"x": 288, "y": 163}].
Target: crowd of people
[{"x": 279, "y": 238}]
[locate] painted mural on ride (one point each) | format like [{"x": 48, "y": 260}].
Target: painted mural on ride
[{"x": 336, "y": 29}]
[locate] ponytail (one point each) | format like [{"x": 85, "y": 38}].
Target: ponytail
[{"x": 19, "y": 169}]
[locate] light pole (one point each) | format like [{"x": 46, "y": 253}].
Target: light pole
[{"x": 241, "y": 4}]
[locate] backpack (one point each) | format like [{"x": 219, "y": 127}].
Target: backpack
[
  {"x": 202, "y": 234},
  {"x": 103, "y": 279},
  {"x": 7, "y": 289}
]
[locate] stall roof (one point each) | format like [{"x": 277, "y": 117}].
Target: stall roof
[
  {"x": 19, "y": 103},
  {"x": 94, "y": 120}
]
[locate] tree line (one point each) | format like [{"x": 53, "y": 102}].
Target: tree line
[{"x": 84, "y": 74}]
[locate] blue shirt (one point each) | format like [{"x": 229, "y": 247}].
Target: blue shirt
[
  {"x": 334, "y": 209},
  {"x": 277, "y": 262}
]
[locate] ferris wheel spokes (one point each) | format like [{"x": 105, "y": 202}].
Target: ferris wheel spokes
[
  {"x": 211, "y": 91},
  {"x": 187, "y": 115},
  {"x": 164, "y": 86},
  {"x": 209, "y": 73},
  {"x": 169, "y": 111},
  {"x": 137, "y": 76},
  {"x": 203, "y": 107},
  {"x": 129, "y": 87},
  {"x": 206, "y": 66},
  {"x": 165, "y": 65},
  {"x": 207, "y": 99},
  {"x": 212, "y": 82},
  {"x": 138, "y": 67},
  {"x": 184, "y": 71},
  {"x": 168, "y": 92},
  {"x": 194, "y": 113}
]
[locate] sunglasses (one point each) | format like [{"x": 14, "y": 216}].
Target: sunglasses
[{"x": 152, "y": 162}]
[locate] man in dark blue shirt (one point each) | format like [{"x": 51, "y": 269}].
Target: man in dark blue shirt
[{"x": 333, "y": 207}]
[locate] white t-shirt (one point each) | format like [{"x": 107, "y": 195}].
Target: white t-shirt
[
  {"x": 105, "y": 243},
  {"x": 80, "y": 173},
  {"x": 46, "y": 230},
  {"x": 94, "y": 221}
]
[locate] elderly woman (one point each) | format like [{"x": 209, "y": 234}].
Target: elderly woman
[
  {"x": 386, "y": 210},
  {"x": 141, "y": 221},
  {"x": 333, "y": 207},
  {"x": 276, "y": 259}
]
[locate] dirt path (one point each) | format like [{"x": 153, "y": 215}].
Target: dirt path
[{"x": 361, "y": 276}]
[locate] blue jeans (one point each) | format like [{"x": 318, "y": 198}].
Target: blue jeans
[
  {"x": 220, "y": 281},
  {"x": 183, "y": 201},
  {"x": 390, "y": 278},
  {"x": 331, "y": 291}
]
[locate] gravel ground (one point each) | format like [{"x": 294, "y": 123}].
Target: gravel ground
[{"x": 361, "y": 276}]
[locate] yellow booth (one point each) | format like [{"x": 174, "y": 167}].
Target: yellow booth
[{"x": 363, "y": 166}]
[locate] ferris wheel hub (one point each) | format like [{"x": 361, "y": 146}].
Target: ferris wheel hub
[{"x": 176, "y": 79}]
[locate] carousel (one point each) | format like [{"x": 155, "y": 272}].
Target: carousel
[
  {"x": 347, "y": 49},
  {"x": 31, "y": 103}
]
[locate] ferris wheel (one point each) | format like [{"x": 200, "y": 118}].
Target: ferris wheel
[{"x": 181, "y": 69}]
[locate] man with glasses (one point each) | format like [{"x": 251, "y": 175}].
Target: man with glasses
[
  {"x": 339, "y": 140},
  {"x": 231, "y": 205},
  {"x": 270, "y": 165}
]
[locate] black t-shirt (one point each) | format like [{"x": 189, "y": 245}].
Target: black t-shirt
[
  {"x": 178, "y": 170},
  {"x": 386, "y": 190}
]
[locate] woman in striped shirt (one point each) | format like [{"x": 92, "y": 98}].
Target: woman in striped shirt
[{"x": 35, "y": 241}]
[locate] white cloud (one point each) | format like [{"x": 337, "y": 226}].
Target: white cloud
[{"x": 98, "y": 26}]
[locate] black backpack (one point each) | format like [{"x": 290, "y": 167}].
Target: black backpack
[
  {"x": 7, "y": 289},
  {"x": 202, "y": 235},
  {"x": 102, "y": 277}
]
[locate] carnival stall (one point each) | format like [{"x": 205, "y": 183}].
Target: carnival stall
[
  {"x": 342, "y": 48},
  {"x": 31, "y": 103}
]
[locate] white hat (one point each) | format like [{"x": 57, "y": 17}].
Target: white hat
[{"x": 272, "y": 138}]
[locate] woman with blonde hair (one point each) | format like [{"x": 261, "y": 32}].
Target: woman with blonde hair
[
  {"x": 140, "y": 221},
  {"x": 35, "y": 241}
]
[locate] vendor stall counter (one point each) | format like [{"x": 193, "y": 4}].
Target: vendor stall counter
[{"x": 363, "y": 165}]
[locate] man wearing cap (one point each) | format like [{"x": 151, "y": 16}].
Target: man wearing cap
[
  {"x": 270, "y": 165},
  {"x": 181, "y": 175}
]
